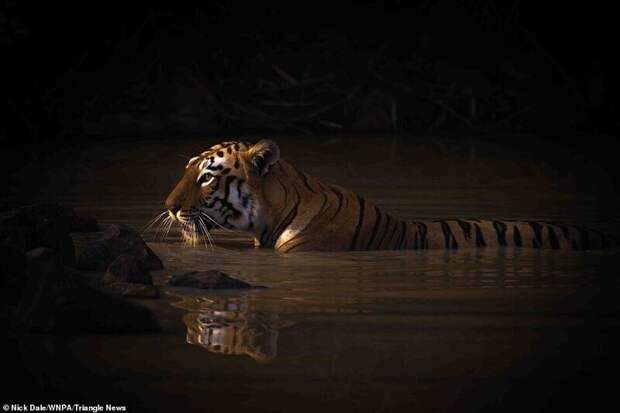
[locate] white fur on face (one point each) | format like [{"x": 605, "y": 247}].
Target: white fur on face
[{"x": 191, "y": 161}]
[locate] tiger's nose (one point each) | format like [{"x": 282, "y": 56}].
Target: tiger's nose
[{"x": 173, "y": 207}]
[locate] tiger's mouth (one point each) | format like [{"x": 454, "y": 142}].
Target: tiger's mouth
[{"x": 196, "y": 230}]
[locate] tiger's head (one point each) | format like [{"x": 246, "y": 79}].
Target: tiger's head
[{"x": 221, "y": 187}]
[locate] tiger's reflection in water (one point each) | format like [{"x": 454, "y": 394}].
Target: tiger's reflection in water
[{"x": 229, "y": 325}]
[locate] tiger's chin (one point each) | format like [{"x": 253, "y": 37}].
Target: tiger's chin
[
  {"x": 191, "y": 238},
  {"x": 196, "y": 233}
]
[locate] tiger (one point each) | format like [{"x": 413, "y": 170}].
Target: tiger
[
  {"x": 229, "y": 332},
  {"x": 244, "y": 186},
  {"x": 230, "y": 325}
]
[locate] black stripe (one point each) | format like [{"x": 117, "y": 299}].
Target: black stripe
[
  {"x": 225, "y": 203},
  {"x": 517, "y": 237},
  {"x": 359, "y": 222},
  {"x": 479, "y": 237},
  {"x": 323, "y": 209},
  {"x": 375, "y": 227},
  {"x": 537, "y": 228},
  {"x": 285, "y": 189},
  {"x": 388, "y": 244},
  {"x": 416, "y": 236},
  {"x": 399, "y": 243},
  {"x": 262, "y": 240},
  {"x": 239, "y": 183},
  {"x": 340, "y": 199},
  {"x": 563, "y": 228},
  {"x": 466, "y": 227},
  {"x": 423, "y": 235},
  {"x": 387, "y": 226},
  {"x": 553, "y": 238},
  {"x": 304, "y": 179},
  {"x": 500, "y": 228},
  {"x": 449, "y": 240}
]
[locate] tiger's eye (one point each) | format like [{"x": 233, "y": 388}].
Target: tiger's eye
[
  {"x": 206, "y": 177},
  {"x": 208, "y": 182}
]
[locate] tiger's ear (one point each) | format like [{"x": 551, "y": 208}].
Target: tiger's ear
[{"x": 263, "y": 154}]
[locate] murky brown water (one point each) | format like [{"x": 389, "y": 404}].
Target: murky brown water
[{"x": 364, "y": 331}]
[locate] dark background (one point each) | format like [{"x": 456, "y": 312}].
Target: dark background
[
  {"x": 524, "y": 76},
  {"x": 507, "y": 71}
]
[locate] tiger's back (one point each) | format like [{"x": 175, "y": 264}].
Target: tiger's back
[{"x": 324, "y": 217}]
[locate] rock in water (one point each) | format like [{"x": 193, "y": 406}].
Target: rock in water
[
  {"x": 127, "y": 268},
  {"x": 43, "y": 225},
  {"x": 57, "y": 300},
  {"x": 117, "y": 240},
  {"x": 127, "y": 277},
  {"x": 208, "y": 280},
  {"x": 97, "y": 256}
]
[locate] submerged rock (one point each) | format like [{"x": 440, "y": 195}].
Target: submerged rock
[
  {"x": 132, "y": 289},
  {"x": 126, "y": 276},
  {"x": 56, "y": 299},
  {"x": 43, "y": 225},
  {"x": 55, "y": 213},
  {"x": 117, "y": 240},
  {"x": 208, "y": 280},
  {"x": 95, "y": 257},
  {"x": 129, "y": 269}
]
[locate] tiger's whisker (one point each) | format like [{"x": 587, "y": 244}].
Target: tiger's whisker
[
  {"x": 214, "y": 222},
  {"x": 206, "y": 232},
  {"x": 168, "y": 227},
  {"x": 188, "y": 234},
  {"x": 195, "y": 239},
  {"x": 202, "y": 234},
  {"x": 161, "y": 226},
  {"x": 210, "y": 237},
  {"x": 153, "y": 221}
]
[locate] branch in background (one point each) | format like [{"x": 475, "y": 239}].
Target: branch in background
[
  {"x": 283, "y": 104},
  {"x": 453, "y": 112},
  {"x": 513, "y": 115},
  {"x": 290, "y": 79},
  {"x": 265, "y": 85}
]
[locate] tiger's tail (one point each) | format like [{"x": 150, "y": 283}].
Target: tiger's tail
[{"x": 458, "y": 234}]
